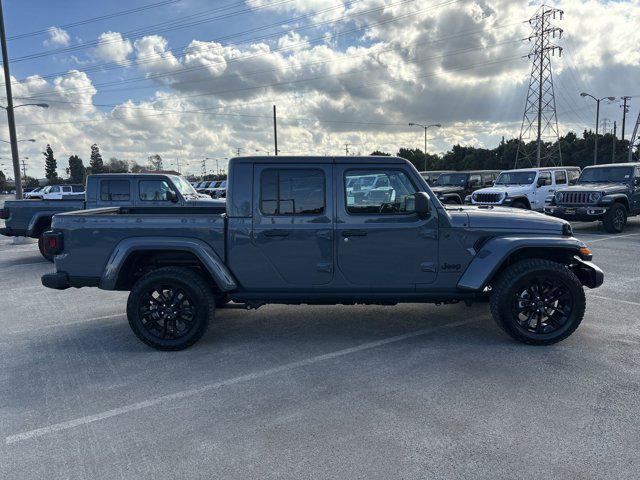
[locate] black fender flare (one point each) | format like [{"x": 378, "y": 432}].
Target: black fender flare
[
  {"x": 205, "y": 254},
  {"x": 496, "y": 251}
]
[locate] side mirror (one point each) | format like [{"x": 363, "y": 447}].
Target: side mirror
[
  {"x": 422, "y": 204},
  {"x": 172, "y": 196}
]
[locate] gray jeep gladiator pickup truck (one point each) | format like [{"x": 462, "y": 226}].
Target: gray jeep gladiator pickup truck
[
  {"x": 296, "y": 232},
  {"x": 31, "y": 218}
]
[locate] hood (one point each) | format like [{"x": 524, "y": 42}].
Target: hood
[
  {"x": 510, "y": 189},
  {"x": 446, "y": 189},
  {"x": 509, "y": 219},
  {"x": 597, "y": 187}
]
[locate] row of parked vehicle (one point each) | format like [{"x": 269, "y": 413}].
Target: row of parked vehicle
[
  {"x": 609, "y": 193},
  {"x": 213, "y": 188},
  {"x": 309, "y": 230}
]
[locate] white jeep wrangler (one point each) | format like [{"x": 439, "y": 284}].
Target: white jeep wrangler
[{"x": 525, "y": 188}]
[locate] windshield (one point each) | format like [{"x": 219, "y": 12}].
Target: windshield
[
  {"x": 606, "y": 174},
  {"x": 183, "y": 186},
  {"x": 452, "y": 179},
  {"x": 516, "y": 178}
]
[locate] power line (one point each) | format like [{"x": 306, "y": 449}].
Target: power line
[{"x": 108, "y": 16}]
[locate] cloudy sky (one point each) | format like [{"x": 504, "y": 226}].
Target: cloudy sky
[{"x": 189, "y": 79}]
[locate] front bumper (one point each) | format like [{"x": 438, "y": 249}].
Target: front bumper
[
  {"x": 589, "y": 273},
  {"x": 588, "y": 213}
]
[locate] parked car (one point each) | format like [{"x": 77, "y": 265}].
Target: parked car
[
  {"x": 456, "y": 186},
  {"x": 608, "y": 193},
  {"x": 208, "y": 186},
  {"x": 35, "y": 193},
  {"x": 60, "y": 192},
  {"x": 292, "y": 233},
  {"x": 525, "y": 188},
  {"x": 31, "y": 218},
  {"x": 432, "y": 176}
]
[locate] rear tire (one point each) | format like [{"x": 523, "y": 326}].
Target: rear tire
[
  {"x": 537, "y": 301},
  {"x": 46, "y": 256},
  {"x": 170, "y": 308},
  {"x": 615, "y": 219}
]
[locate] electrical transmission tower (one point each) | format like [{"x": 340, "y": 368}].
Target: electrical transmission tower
[{"x": 540, "y": 121}]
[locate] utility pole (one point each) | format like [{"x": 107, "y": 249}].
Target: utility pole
[
  {"x": 605, "y": 126},
  {"x": 613, "y": 142},
  {"x": 346, "y": 149},
  {"x": 237, "y": 153},
  {"x": 598, "y": 100},
  {"x": 540, "y": 116},
  {"x": 10, "y": 116},
  {"x": 24, "y": 169},
  {"x": 625, "y": 110},
  {"x": 634, "y": 137},
  {"x": 178, "y": 163},
  {"x": 275, "y": 132}
]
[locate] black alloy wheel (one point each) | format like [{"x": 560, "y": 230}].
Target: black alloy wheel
[
  {"x": 538, "y": 301},
  {"x": 170, "y": 308}
]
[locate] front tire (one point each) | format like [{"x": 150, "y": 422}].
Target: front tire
[
  {"x": 520, "y": 204},
  {"x": 170, "y": 308},
  {"x": 615, "y": 219},
  {"x": 45, "y": 255},
  {"x": 538, "y": 301}
]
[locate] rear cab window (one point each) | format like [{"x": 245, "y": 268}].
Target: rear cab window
[
  {"x": 292, "y": 192},
  {"x": 115, "y": 190},
  {"x": 560, "y": 177}
]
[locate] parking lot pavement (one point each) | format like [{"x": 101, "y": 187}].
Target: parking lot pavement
[{"x": 318, "y": 392}]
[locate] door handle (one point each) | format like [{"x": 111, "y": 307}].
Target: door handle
[
  {"x": 276, "y": 233},
  {"x": 354, "y": 233}
]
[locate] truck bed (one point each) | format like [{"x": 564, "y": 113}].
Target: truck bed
[
  {"x": 22, "y": 212},
  {"x": 93, "y": 236}
]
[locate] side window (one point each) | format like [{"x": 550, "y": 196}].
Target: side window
[
  {"x": 574, "y": 175},
  {"x": 544, "y": 178},
  {"x": 395, "y": 197},
  {"x": 54, "y": 189},
  {"x": 475, "y": 180},
  {"x": 487, "y": 179},
  {"x": 292, "y": 192},
  {"x": 77, "y": 188},
  {"x": 561, "y": 177},
  {"x": 66, "y": 189},
  {"x": 151, "y": 190},
  {"x": 114, "y": 190}
]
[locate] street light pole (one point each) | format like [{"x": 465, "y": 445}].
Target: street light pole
[
  {"x": 426, "y": 127},
  {"x": 10, "y": 117},
  {"x": 598, "y": 100}
]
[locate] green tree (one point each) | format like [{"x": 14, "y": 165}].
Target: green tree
[
  {"x": 155, "y": 162},
  {"x": 117, "y": 166},
  {"x": 50, "y": 165},
  {"x": 97, "y": 165},
  {"x": 380, "y": 154},
  {"x": 76, "y": 169},
  {"x": 3, "y": 181}
]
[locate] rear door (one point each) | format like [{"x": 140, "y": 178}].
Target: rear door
[
  {"x": 381, "y": 244},
  {"x": 293, "y": 225}
]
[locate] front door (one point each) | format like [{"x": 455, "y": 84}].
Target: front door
[
  {"x": 381, "y": 243},
  {"x": 293, "y": 225},
  {"x": 542, "y": 189}
]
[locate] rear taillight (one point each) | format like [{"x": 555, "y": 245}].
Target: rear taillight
[
  {"x": 4, "y": 213},
  {"x": 52, "y": 242}
]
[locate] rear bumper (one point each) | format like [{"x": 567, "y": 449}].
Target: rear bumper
[
  {"x": 578, "y": 214},
  {"x": 62, "y": 281},
  {"x": 57, "y": 281},
  {"x": 12, "y": 232}
]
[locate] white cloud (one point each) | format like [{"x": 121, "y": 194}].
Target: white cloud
[
  {"x": 113, "y": 48},
  {"x": 58, "y": 37},
  {"x": 458, "y": 65}
]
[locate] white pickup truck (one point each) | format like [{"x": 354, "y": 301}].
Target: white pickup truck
[
  {"x": 60, "y": 192},
  {"x": 525, "y": 188}
]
